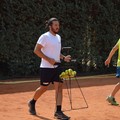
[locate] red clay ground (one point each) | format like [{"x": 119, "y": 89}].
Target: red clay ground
[{"x": 14, "y": 98}]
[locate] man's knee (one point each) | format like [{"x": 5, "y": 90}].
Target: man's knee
[
  {"x": 118, "y": 83},
  {"x": 59, "y": 87}
]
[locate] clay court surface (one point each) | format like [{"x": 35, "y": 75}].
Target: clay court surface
[{"x": 15, "y": 95}]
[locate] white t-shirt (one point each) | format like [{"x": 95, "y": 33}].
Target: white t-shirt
[{"x": 51, "y": 48}]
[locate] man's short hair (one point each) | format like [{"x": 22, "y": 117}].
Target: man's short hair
[{"x": 50, "y": 21}]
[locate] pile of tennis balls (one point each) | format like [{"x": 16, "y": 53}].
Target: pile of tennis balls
[{"x": 68, "y": 73}]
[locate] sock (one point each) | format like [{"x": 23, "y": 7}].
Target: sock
[
  {"x": 58, "y": 108},
  {"x": 33, "y": 101}
]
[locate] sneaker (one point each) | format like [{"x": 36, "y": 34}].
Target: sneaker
[
  {"x": 32, "y": 110},
  {"x": 117, "y": 75},
  {"x": 61, "y": 116},
  {"x": 112, "y": 100}
]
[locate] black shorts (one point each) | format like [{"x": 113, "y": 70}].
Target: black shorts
[{"x": 50, "y": 75}]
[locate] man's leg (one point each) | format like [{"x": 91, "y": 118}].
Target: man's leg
[
  {"x": 111, "y": 98},
  {"x": 115, "y": 90},
  {"x": 58, "y": 97},
  {"x": 58, "y": 93},
  {"x": 37, "y": 94}
]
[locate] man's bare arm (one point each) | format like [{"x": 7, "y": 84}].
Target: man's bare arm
[
  {"x": 40, "y": 54},
  {"x": 112, "y": 52}
]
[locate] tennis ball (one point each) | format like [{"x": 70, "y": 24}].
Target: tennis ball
[
  {"x": 66, "y": 76},
  {"x": 74, "y": 72},
  {"x": 60, "y": 76},
  {"x": 63, "y": 73},
  {"x": 66, "y": 72},
  {"x": 70, "y": 71}
]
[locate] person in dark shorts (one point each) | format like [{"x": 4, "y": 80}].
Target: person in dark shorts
[{"x": 48, "y": 48}]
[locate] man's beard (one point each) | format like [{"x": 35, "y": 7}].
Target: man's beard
[{"x": 54, "y": 31}]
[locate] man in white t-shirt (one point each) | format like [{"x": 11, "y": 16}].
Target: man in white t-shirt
[{"x": 48, "y": 48}]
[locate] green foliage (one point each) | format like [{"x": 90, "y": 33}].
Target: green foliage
[{"x": 91, "y": 28}]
